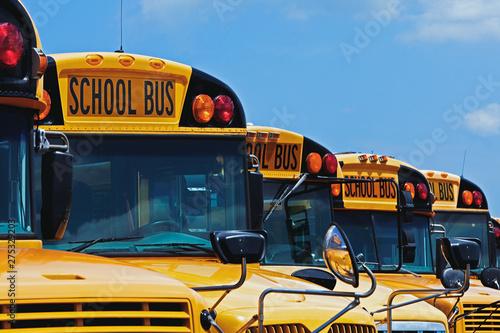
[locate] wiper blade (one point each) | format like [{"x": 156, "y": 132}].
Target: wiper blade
[
  {"x": 404, "y": 270},
  {"x": 99, "y": 240},
  {"x": 190, "y": 245},
  {"x": 284, "y": 195}
]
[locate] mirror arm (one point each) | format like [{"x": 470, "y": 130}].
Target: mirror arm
[
  {"x": 349, "y": 307},
  {"x": 437, "y": 293},
  {"x": 42, "y": 143},
  {"x": 227, "y": 288}
]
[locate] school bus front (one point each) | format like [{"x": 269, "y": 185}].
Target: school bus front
[
  {"x": 160, "y": 164},
  {"x": 298, "y": 211}
]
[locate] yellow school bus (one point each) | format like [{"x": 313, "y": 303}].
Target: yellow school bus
[
  {"x": 399, "y": 249},
  {"x": 461, "y": 210},
  {"x": 160, "y": 165},
  {"x": 298, "y": 191},
  {"x": 54, "y": 291}
]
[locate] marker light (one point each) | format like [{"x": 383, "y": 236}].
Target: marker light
[
  {"x": 467, "y": 197},
  {"x": 362, "y": 158},
  {"x": 203, "y": 108},
  {"x": 262, "y": 135},
  {"x": 477, "y": 198},
  {"x": 314, "y": 163},
  {"x": 335, "y": 188},
  {"x": 330, "y": 163},
  {"x": 42, "y": 115},
  {"x": 373, "y": 158},
  {"x": 274, "y": 135},
  {"x": 39, "y": 63},
  {"x": 126, "y": 60},
  {"x": 409, "y": 187},
  {"x": 94, "y": 59},
  {"x": 251, "y": 134},
  {"x": 224, "y": 109},
  {"x": 497, "y": 232},
  {"x": 156, "y": 63},
  {"x": 11, "y": 46},
  {"x": 422, "y": 191},
  {"x": 383, "y": 159}
]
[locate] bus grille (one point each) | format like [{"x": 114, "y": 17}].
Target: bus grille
[
  {"x": 482, "y": 321},
  {"x": 111, "y": 316},
  {"x": 283, "y": 328},
  {"x": 297, "y": 328},
  {"x": 351, "y": 328}
]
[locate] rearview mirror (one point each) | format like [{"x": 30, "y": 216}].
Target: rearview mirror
[
  {"x": 57, "y": 179},
  {"x": 232, "y": 246},
  {"x": 460, "y": 252},
  {"x": 339, "y": 256}
]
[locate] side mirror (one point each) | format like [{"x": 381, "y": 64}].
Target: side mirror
[
  {"x": 57, "y": 179},
  {"x": 490, "y": 277},
  {"x": 409, "y": 246},
  {"x": 460, "y": 252},
  {"x": 406, "y": 206},
  {"x": 339, "y": 256},
  {"x": 318, "y": 276},
  {"x": 233, "y": 246},
  {"x": 256, "y": 182}
]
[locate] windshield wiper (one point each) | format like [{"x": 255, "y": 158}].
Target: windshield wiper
[
  {"x": 190, "y": 245},
  {"x": 404, "y": 270},
  {"x": 99, "y": 240},
  {"x": 284, "y": 195}
]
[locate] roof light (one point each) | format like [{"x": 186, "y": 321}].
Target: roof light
[
  {"x": 274, "y": 135},
  {"x": 477, "y": 198},
  {"x": 126, "y": 60},
  {"x": 251, "y": 134},
  {"x": 373, "y": 158},
  {"x": 430, "y": 173},
  {"x": 330, "y": 163},
  {"x": 94, "y": 59},
  {"x": 383, "y": 159},
  {"x": 224, "y": 109},
  {"x": 262, "y": 135},
  {"x": 156, "y": 63},
  {"x": 409, "y": 187},
  {"x": 444, "y": 175},
  {"x": 467, "y": 197},
  {"x": 363, "y": 158},
  {"x": 335, "y": 188},
  {"x": 203, "y": 108},
  {"x": 422, "y": 191},
  {"x": 42, "y": 115},
  {"x": 314, "y": 163},
  {"x": 11, "y": 46}
]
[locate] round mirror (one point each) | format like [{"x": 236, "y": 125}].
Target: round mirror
[{"x": 339, "y": 256}]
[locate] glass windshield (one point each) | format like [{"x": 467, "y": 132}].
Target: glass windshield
[
  {"x": 15, "y": 131},
  {"x": 296, "y": 228},
  {"x": 469, "y": 225},
  {"x": 375, "y": 235},
  {"x": 150, "y": 194}
]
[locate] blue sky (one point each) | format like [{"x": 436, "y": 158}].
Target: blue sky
[{"x": 417, "y": 80}]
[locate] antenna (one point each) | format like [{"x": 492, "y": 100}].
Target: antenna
[
  {"x": 463, "y": 164},
  {"x": 121, "y": 28}
]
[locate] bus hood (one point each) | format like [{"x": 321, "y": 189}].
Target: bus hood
[
  {"x": 202, "y": 272},
  {"x": 49, "y": 274}
]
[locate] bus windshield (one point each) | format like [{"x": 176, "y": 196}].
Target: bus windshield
[
  {"x": 153, "y": 193},
  {"x": 469, "y": 225},
  {"x": 375, "y": 235},
  {"x": 15, "y": 131},
  {"x": 296, "y": 228}
]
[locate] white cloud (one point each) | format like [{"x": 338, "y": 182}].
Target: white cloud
[
  {"x": 485, "y": 121},
  {"x": 463, "y": 20}
]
